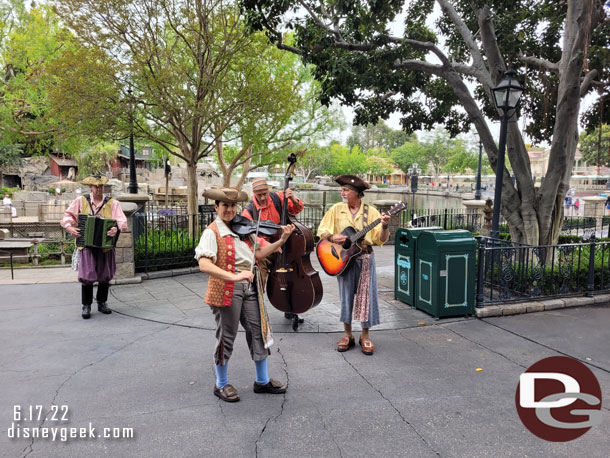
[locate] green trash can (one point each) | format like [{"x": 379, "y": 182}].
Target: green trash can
[
  {"x": 445, "y": 273},
  {"x": 405, "y": 249}
]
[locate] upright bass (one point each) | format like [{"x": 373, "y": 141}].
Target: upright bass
[{"x": 293, "y": 285}]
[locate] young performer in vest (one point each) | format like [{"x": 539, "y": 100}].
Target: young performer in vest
[
  {"x": 269, "y": 204},
  {"x": 228, "y": 262},
  {"x": 96, "y": 264},
  {"x": 357, "y": 285}
]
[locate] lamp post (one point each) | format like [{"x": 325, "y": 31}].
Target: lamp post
[
  {"x": 506, "y": 97},
  {"x": 413, "y": 172},
  {"x": 477, "y": 189},
  {"x": 132, "y": 188}
]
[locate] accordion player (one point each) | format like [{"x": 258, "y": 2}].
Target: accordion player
[{"x": 93, "y": 232}]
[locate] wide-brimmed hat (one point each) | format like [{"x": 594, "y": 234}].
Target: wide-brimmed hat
[
  {"x": 95, "y": 180},
  {"x": 353, "y": 182},
  {"x": 259, "y": 184},
  {"x": 226, "y": 194}
]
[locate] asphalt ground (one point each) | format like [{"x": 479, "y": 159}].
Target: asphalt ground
[{"x": 432, "y": 389}]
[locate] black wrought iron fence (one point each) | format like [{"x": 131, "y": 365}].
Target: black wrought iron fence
[
  {"x": 165, "y": 238},
  {"x": 448, "y": 218},
  {"x": 514, "y": 272}
]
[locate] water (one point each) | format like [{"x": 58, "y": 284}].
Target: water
[{"x": 421, "y": 200}]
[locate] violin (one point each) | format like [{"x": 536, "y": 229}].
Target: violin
[{"x": 244, "y": 227}]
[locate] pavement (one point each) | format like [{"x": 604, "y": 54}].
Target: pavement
[{"x": 432, "y": 389}]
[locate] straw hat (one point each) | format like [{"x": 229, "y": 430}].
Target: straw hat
[
  {"x": 95, "y": 180},
  {"x": 226, "y": 194}
]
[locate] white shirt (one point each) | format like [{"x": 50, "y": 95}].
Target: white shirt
[{"x": 208, "y": 248}]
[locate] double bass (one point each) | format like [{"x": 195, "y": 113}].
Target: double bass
[{"x": 293, "y": 285}]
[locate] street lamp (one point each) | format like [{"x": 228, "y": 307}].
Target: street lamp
[
  {"x": 477, "y": 189},
  {"x": 133, "y": 183},
  {"x": 413, "y": 172},
  {"x": 506, "y": 97}
]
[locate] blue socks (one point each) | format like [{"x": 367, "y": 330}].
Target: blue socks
[
  {"x": 222, "y": 379},
  {"x": 261, "y": 372}
]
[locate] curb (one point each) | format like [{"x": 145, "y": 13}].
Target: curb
[
  {"x": 169, "y": 273},
  {"x": 539, "y": 306}
]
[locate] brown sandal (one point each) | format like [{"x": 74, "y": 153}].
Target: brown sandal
[
  {"x": 367, "y": 345},
  {"x": 227, "y": 393},
  {"x": 345, "y": 343}
]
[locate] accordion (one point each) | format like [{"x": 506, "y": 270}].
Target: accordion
[{"x": 93, "y": 232}]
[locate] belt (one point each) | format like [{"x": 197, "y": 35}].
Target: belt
[{"x": 368, "y": 249}]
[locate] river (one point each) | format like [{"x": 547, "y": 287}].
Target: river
[{"x": 422, "y": 200}]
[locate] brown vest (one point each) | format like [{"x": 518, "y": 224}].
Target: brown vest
[{"x": 220, "y": 292}]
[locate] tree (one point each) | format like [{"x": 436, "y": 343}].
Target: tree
[
  {"x": 378, "y": 165},
  {"x": 282, "y": 113},
  {"x": 408, "y": 154},
  {"x": 178, "y": 58},
  {"x": 560, "y": 47},
  {"x": 344, "y": 160},
  {"x": 313, "y": 161},
  {"x": 31, "y": 40},
  {"x": 595, "y": 146}
]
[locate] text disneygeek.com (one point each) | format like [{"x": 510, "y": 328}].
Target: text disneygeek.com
[{"x": 22, "y": 415}]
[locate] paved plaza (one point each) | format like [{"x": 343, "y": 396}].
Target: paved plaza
[{"x": 432, "y": 389}]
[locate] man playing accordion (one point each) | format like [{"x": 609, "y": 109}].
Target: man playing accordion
[{"x": 96, "y": 264}]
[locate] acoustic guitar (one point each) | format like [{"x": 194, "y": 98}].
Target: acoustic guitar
[{"x": 335, "y": 258}]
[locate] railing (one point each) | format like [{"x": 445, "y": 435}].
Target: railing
[
  {"x": 448, "y": 218},
  {"x": 166, "y": 238},
  {"x": 514, "y": 272}
]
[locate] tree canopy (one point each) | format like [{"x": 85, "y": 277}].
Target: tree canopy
[{"x": 392, "y": 56}]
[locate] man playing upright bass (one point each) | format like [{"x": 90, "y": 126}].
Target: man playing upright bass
[{"x": 267, "y": 205}]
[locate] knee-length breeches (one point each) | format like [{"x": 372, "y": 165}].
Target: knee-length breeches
[{"x": 244, "y": 309}]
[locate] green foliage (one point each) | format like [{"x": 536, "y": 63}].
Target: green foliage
[
  {"x": 11, "y": 155},
  {"x": 6, "y": 190},
  {"x": 409, "y": 153},
  {"x": 164, "y": 243},
  {"x": 345, "y": 161},
  {"x": 32, "y": 39},
  {"x": 596, "y": 150},
  {"x": 378, "y": 166},
  {"x": 95, "y": 158},
  {"x": 568, "y": 238}
]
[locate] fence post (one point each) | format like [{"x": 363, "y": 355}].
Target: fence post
[
  {"x": 35, "y": 256},
  {"x": 480, "y": 276},
  {"x": 62, "y": 250},
  {"x": 591, "y": 279},
  {"x": 445, "y": 222},
  {"x": 323, "y": 202},
  {"x": 124, "y": 251}
]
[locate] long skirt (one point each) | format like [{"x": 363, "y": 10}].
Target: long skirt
[
  {"x": 348, "y": 285},
  {"x": 95, "y": 265}
]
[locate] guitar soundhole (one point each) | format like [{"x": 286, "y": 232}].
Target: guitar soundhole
[{"x": 334, "y": 252}]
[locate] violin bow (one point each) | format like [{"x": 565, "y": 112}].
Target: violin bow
[{"x": 258, "y": 225}]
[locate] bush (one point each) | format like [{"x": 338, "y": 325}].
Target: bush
[
  {"x": 565, "y": 239},
  {"x": 9, "y": 191}
]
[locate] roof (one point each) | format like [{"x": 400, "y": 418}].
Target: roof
[
  {"x": 63, "y": 161},
  {"x": 124, "y": 152}
]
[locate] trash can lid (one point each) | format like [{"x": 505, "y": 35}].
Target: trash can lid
[{"x": 454, "y": 240}]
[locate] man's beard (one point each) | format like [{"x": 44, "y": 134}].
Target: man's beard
[{"x": 344, "y": 199}]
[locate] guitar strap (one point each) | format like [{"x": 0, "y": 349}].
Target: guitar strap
[{"x": 365, "y": 214}]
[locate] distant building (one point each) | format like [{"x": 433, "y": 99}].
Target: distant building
[
  {"x": 120, "y": 164},
  {"x": 60, "y": 166},
  {"x": 396, "y": 177}
]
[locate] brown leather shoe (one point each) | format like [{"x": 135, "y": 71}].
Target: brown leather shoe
[
  {"x": 367, "y": 345},
  {"x": 345, "y": 343},
  {"x": 272, "y": 387},
  {"x": 227, "y": 393}
]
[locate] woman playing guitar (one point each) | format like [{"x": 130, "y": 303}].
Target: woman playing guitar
[{"x": 358, "y": 283}]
